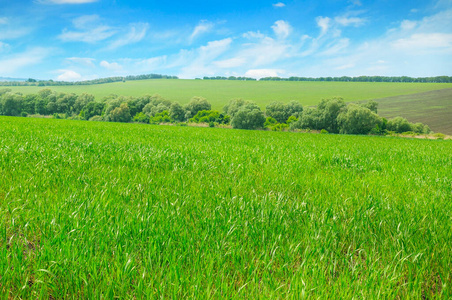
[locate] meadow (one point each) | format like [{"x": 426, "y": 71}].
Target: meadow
[
  {"x": 220, "y": 92},
  {"x": 103, "y": 210}
]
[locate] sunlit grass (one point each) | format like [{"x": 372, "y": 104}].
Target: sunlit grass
[{"x": 91, "y": 210}]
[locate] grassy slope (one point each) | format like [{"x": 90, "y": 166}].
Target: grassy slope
[
  {"x": 102, "y": 210},
  {"x": 433, "y": 108},
  {"x": 220, "y": 92}
]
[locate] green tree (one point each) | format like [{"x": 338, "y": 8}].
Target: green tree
[
  {"x": 121, "y": 113},
  {"x": 11, "y": 104},
  {"x": 329, "y": 109},
  {"x": 177, "y": 112},
  {"x": 399, "y": 124},
  {"x": 196, "y": 104},
  {"x": 356, "y": 119},
  {"x": 249, "y": 116}
]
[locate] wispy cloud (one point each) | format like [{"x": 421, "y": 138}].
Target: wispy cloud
[
  {"x": 204, "y": 26},
  {"x": 324, "y": 24},
  {"x": 12, "y": 63},
  {"x": 66, "y": 1},
  {"x": 89, "y": 30},
  {"x": 279, "y": 4},
  {"x": 350, "y": 21},
  {"x": 3, "y": 20},
  {"x": 135, "y": 34},
  {"x": 85, "y": 61},
  {"x": 4, "y": 46}
]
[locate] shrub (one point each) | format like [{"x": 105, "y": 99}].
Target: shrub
[
  {"x": 248, "y": 117},
  {"x": 96, "y": 118},
  {"x": 121, "y": 113},
  {"x": 356, "y": 119},
  {"x": 195, "y": 105},
  {"x": 324, "y": 131},
  {"x": 141, "y": 118}
]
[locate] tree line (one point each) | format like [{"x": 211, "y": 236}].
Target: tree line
[
  {"x": 330, "y": 115},
  {"x": 35, "y": 82}
]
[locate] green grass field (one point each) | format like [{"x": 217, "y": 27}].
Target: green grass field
[
  {"x": 220, "y": 92},
  {"x": 433, "y": 108},
  {"x": 102, "y": 210}
]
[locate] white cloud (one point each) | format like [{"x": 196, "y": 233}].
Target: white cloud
[
  {"x": 350, "y": 21},
  {"x": 69, "y": 75},
  {"x": 203, "y": 27},
  {"x": 13, "y": 33},
  {"x": 89, "y": 30},
  {"x": 282, "y": 29},
  {"x": 345, "y": 67},
  {"x": 408, "y": 25},
  {"x": 230, "y": 63},
  {"x": 253, "y": 35},
  {"x": 110, "y": 66},
  {"x": 279, "y": 4},
  {"x": 82, "y": 61},
  {"x": 136, "y": 33},
  {"x": 324, "y": 24},
  {"x": 66, "y": 1},
  {"x": 260, "y": 73},
  {"x": 200, "y": 62},
  {"x": 422, "y": 41},
  {"x": 335, "y": 48},
  {"x": 10, "y": 64}
]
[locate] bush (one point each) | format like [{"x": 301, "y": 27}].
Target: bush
[
  {"x": 195, "y": 105},
  {"x": 121, "y": 113},
  {"x": 439, "y": 135},
  {"x": 248, "y": 117},
  {"x": 399, "y": 125},
  {"x": 324, "y": 131},
  {"x": 356, "y": 119},
  {"x": 141, "y": 118},
  {"x": 281, "y": 112},
  {"x": 162, "y": 117},
  {"x": 96, "y": 118}
]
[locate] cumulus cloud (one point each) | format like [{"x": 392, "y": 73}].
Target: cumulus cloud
[
  {"x": 136, "y": 33},
  {"x": 282, "y": 29},
  {"x": 279, "y": 4},
  {"x": 69, "y": 75},
  {"x": 110, "y": 66},
  {"x": 324, "y": 24}
]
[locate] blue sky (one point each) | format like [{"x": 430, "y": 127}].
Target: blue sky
[{"x": 86, "y": 39}]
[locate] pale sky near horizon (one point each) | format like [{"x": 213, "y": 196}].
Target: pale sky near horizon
[{"x": 86, "y": 39}]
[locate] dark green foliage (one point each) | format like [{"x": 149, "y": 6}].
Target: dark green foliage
[
  {"x": 121, "y": 113},
  {"x": 233, "y": 107},
  {"x": 162, "y": 117},
  {"x": 93, "y": 109},
  {"x": 208, "y": 116},
  {"x": 356, "y": 119},
  {"x": 281, "y": 112},
  {"x": 141, "y": 118},
  {"x": 329, "y": 109},
  {"x": 11, "y": 104},
  {"x": 177, "y": 112},
  {"x": 270, "y": 122},
  {"x": 399, "y": 124},
  {"x": 196, "y": 104},
  {"x": 372, "y": 105},
  {"x": 249, "y": 116}
]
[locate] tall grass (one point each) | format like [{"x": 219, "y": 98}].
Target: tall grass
[{"x": 91, "y": 210}]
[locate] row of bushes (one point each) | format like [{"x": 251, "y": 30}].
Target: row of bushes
[{"x": 331, "y": 115}]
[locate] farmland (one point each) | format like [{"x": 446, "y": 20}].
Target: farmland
[
  {"x": 94, "y": 209},
  {"x": 433, "y": 108},
  {"x": 220, "y": 92}
]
